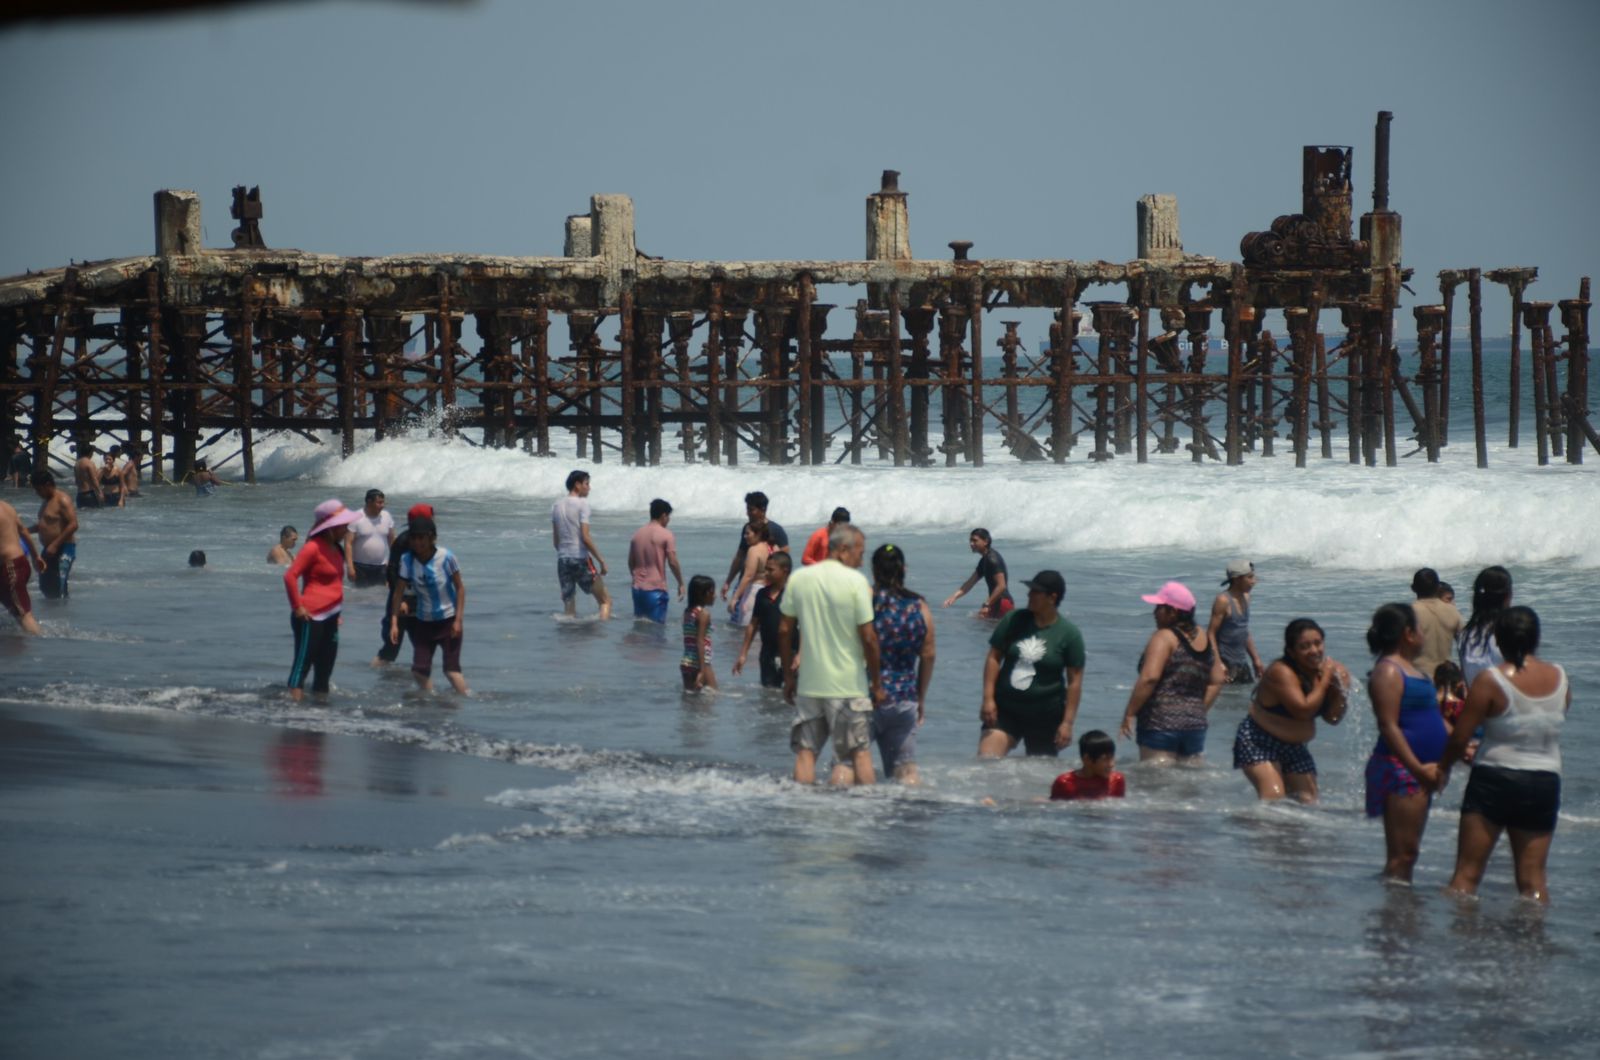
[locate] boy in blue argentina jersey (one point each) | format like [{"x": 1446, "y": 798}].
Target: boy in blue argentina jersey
[{"x": 435, "y": 576}]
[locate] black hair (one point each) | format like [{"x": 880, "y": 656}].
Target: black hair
[
  {"x": 115, "y": 450},
  {"x": 43, "y": 478},
  {"x": 1517, "y": 633},
  {"x": 763, "y": 531},
  {"x": 1389, "y": 625},
  {"x": 782, "y": 560},
  {"x": 1447, "y": 675},
  {"x": 1425, "y": 583},
  {"x": 756, "y": 499},
  {"x": 702, "y": 590},
  {"x": 422, "y": 526},
  {"x": 889, "y": 571},
  {"x": 980, "y": 532},
  {"x": 1096, "y": 744},
  {"x": 374, "y": 493},
  {"x": 200, "y": 464},
  {"x": 286, "y": 531},
  {"x": 576, "y": 477},
  {"x": 659, "y": 507},
  {"x": 1491, "y": 592},
  {"x": 1292, "y": 632},
  {"x": 197, "y": 558},
  {"x": 1446, "y": 589},
  {"x": 1185, "y": 618},
  {"x": 840, "y": 515}
]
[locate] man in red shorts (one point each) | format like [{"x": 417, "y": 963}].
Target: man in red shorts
[{"x": 14, "y": 568}]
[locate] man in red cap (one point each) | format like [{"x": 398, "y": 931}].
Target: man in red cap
[{"x": 387, "y": 652}]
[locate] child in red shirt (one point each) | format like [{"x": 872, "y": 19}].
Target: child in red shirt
[{"x": 1095, "y": 778}]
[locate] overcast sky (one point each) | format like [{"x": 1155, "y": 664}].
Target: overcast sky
[{"x": 755, "y": 130}]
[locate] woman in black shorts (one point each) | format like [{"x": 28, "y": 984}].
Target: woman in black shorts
[
  {"x": 1293, "y": 692},
  {"x": 1515, "y": 784}
]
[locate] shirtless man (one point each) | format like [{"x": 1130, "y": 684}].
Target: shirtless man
[
  {"x": 1229, "y": 628},
  {"x": 283, "y": 552},
  {"x": 14, "y": 568},
  {"x": 18, "y": 466},
  {"x": 111, "y": 479},
  {"x": 87, "y": 476},
  {"x": 57, "y": 529}
]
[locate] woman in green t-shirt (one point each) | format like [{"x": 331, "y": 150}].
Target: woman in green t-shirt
[{"x": 1033, "y": 676}]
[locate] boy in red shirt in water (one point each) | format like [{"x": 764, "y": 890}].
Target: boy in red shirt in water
[{"x": 1095, "y": 778}]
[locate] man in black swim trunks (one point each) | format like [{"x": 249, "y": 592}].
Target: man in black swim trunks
[
  {"x": 18, "y": 467},
  {"x": 87, "y": 477}
]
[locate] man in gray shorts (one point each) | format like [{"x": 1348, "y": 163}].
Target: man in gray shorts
[
  {"x": 838, "y": 679},
  {"x": 569, "y": 531}
]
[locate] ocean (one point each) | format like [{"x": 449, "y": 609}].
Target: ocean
[{"x": 581, "y": 860}]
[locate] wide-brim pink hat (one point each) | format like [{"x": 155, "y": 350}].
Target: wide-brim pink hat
[
  {"x": 1175, "y": 595},
  {"x": 331, "y": 513}
]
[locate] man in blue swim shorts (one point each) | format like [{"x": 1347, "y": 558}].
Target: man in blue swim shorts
[
  {"x": 651, "y": 552},
  {"x": 57, "y": 529}
]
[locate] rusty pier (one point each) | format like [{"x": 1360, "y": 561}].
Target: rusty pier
[{"x": 189, "y": 350}]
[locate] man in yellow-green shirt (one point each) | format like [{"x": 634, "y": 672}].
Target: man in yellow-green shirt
[{"x": 838, "y": 678}]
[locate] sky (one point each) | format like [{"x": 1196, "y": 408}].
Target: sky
[{"x": 755, "y": 130}]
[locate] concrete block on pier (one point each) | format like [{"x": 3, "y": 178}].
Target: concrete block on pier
[
  {"x": 611, "y": 224},
  {"x": 580, "y": 237},
  {"x": 888, "y": 221},
  {"x": 177, "y": 222},
  {"x": 1159, "y": 238}
]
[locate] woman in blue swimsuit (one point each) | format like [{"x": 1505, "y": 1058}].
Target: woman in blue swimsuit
[{"x": 1403, "y": 773}]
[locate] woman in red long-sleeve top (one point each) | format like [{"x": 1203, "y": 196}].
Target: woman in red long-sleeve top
[{"x": 315, "y": 583}]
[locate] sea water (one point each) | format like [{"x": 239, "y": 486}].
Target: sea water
[{"x": 581, "y": 860}]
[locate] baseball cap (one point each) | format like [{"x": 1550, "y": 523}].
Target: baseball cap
[
  {"x": 420, "y": 511},
  {"x": 1238, "y": 569},
  {"x": 1048, "y": 581},
  {"x": 1175, "y": 595}
]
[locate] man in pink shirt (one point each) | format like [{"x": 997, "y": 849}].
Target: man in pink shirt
[{"x": 651, "y": 551}]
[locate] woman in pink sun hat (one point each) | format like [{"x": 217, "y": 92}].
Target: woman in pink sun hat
[
  {"x": 1180, "y": 675},
  {"x": 315, "y": 583}
]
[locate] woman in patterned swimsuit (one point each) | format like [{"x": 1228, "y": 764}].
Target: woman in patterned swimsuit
[
  {"x": 1293, "y": 692},
  {"x": 906, "y": 647},
  {"x": 1179, "y": 678}
]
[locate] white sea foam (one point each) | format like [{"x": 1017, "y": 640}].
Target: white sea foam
[{"x": 1329, "y": 514}]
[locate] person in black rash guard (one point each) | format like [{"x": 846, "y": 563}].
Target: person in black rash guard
[
  {"x": 766, "y": 618},
  {"x": 992, "y": 569},
  {"x": 389, "y": 652}
]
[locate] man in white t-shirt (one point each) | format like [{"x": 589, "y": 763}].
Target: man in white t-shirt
[
  {"x": 366, "y": 543},
  {"x": 569, "y": 530},
  {"x": 838, "y": 679}
]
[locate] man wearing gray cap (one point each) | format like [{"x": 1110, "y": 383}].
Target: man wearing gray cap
[{"x": 1229, "y": 628}]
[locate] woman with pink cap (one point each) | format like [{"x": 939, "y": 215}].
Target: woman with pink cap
[
  {"x": 315, "y": 583},
  {"x": 1180, "y": 675}
]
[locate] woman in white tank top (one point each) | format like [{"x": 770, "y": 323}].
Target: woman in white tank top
[{"x": 1515, "y": 783}]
